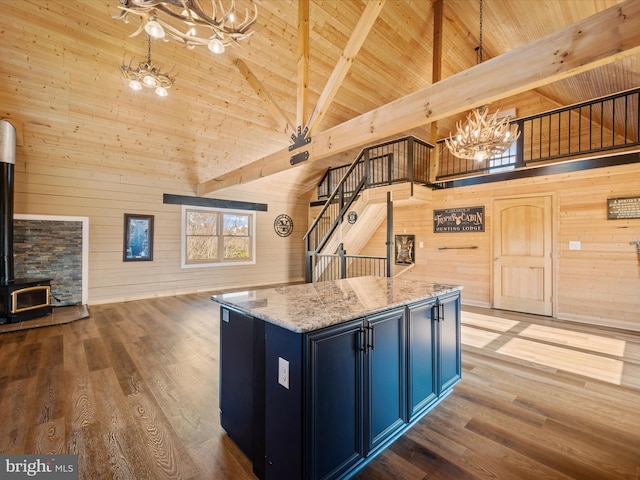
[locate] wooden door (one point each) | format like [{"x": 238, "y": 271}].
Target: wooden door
[{"x": 522, "y": 239}]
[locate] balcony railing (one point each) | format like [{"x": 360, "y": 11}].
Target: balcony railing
[
  {"x": 403, "y": 160},
  {"x": 602, "y": 125},
  {"x": 341, "y": 265}
]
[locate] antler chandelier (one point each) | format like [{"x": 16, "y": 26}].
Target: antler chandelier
[
  {"x": 187, "y": 22},
  {"x": 482, "y": 137},
  {"x": 146, "y": 75}
]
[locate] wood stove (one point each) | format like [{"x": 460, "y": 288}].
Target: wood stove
[{"x": 24, "y": 298}]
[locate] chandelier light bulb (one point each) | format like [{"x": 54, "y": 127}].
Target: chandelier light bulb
[
  {"x": 481, "y": 155},
  {"x": 135, "y": 85},
  {"x": 161, "y": 92},
  {"x": 216, "y": 46},
  {"x": 149, "y": 81},
  {"x": 154, "y": 29}
]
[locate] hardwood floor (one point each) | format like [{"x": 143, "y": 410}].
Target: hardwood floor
[{"x": 133, "y": 391}]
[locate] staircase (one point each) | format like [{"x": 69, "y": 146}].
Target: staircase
[{"x": 405, "y": 160}]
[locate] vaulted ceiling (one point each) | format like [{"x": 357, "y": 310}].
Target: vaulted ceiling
[{"x": 216, "y": 119}]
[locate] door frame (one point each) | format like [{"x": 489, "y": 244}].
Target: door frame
[{"x": 555, "y": 220}]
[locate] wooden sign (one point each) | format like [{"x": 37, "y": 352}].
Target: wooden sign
[
  {"x": 464, "y": 219},
  {"x": 618, "y": 208}
]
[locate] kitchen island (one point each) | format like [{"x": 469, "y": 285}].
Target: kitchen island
[{"x": 316, "y": 379}]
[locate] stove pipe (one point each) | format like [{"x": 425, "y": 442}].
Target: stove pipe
[{"x": 7, "y": 165}]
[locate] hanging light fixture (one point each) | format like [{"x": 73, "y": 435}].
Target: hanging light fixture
[
  {"x": 483, "y": 135},
  {"x": 146, "y": 75},
  {"x": 187, "y": 22}
]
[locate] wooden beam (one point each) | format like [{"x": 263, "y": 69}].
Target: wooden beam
[
  {"x": 171, "y": 199},
  {"x": 358, "y": 36},
  {"x": 278, "y": 114},
  {"x": 302, "y": 113},
  {"x": 436, "y": 76},
  {"x": 603, "y": 38}
]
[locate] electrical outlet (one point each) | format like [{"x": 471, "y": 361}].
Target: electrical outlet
[
  {"x": 575, "y": 245},
  {"x": 283, "y": 372}
]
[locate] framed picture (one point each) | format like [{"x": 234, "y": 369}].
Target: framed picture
[
  {"x": 138, "y": 238},
  {"x": 405, "y": 252}
]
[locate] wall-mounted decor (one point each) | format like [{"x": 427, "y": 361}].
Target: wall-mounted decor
[
  {"x": 619, "y": 208},
  {"x": 352, "y": 217},
  {"x": 464, "y": 219},
  {"x": 405, "y": 253},
  {"x": 138, "y": 238},
  {"x": 283, "y": 225}
]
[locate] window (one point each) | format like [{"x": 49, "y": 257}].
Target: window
[
  {"x": 216, "y": 237},
  {"x": 504, "y": 162}
]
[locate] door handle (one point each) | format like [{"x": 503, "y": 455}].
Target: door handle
[{"x": 497, "y": 258}]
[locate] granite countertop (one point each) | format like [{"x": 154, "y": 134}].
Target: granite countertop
[{"x": 311, "y": 306}]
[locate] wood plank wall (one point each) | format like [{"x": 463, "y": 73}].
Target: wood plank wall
[
  {"x": 42, "y": 188},
  {"x": 89, "y": 147},
  {"x": 598, "y": 284}
]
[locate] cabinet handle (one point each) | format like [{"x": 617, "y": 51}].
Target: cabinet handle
[
  {"x": 361, "y": 340},
  {"x": 441, "y": 312},
  {"x": 372, "y": 337},
  {"x": 434, "y": 313}
]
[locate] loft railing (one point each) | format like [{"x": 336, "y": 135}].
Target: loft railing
[
  {"x": 602, "y": 125},
  {"x": 340, "y": 265},
  {"x": 402, "y": 160}
]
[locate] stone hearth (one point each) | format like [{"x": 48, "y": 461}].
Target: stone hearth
[{"x": 60, "y": 316}]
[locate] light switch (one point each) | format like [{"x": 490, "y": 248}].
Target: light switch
[
  {"x": 421, "y": 244},
  {"x": 283, "y": 372}
]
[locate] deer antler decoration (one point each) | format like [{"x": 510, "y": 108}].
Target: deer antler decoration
[{"x": 187, "y": 22}]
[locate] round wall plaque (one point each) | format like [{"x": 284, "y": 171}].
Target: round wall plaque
[
  {"x": 352, "y": 217},
  {"x": 283, "y": 225}
]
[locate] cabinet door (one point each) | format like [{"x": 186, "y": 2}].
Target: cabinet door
[
  {"x": 386, "y": 377},
  {"x": 449, "y": 341},
  {"x": 335, "y": 393},
  {"x": 422, "y": 386}
]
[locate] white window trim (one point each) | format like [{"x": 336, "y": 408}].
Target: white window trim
[{"x": 183, "y": 243}]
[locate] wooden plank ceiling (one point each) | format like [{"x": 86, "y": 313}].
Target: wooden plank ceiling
[{"x": 228, "y": 111}]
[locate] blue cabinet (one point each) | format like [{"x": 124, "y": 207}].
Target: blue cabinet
[
  {"x": 422, "y": 389},
  {"x": 335, "y": 389},
  {"x": 385, "y": 379},
  {"x": 241, "y": 394},
  {"x": 348, "y": 390},
  {"x": 434, "y": 355},
  {"x": 356, "y": 389},
  {"x": 448, "y": 349}
]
